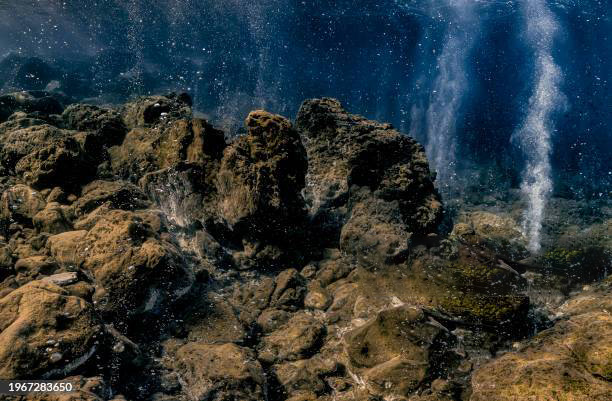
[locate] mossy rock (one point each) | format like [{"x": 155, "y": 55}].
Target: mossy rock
[
  {"x": 580, "y": 264},
  {"x": 487, "y": 309}
]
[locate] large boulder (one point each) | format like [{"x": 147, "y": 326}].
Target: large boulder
[
  {"x": 397, "y": 351},
  {"x": 495, "y": 231},
  {"x": 261, "y": 177},
  {"x": 104, "y": 127},
  {"x": 45, "y": 156},
  {"x": 220, "y": 372},
  {"x": 45, "y": 332},
  {"x": 150, "y": 110},
  {"x": 19, "y": 143},
  {"x": 114, "y": 194},
  {"x": 19, "y": 204},
  {"x": 376, "y": 232},
  {"x": 353, "y": 160},
  {"x": 148, "y": 149},
  {"x": 135, "y": 270},
  {"x": 572, "y": 360},
  {"x": 60, "y": 162}
]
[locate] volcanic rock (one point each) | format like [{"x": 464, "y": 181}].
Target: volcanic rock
[
  {"x": 29, "y": 102},
  {"x": 350, "y": 156},
  {"x": 45, "y": 332},
  {"x": 131, "y": 264},
  {"x": 299, "y": 338},
  {"x": 261, "y": 176},
  {"x": 396, "y": 351},
  {"x": 146, "y": 111},
  {"x": 219, "y": 372},
  {"x": 573, "y": 358}
]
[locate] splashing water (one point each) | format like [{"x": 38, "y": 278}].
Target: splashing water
[
  {"x": 534, "y": 136},
  {"x": 449, "y": 90}
]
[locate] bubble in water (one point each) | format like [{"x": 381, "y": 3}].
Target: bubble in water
[
  {"x": 119, "y": 347},
  {"x": 56, "y": 357}
]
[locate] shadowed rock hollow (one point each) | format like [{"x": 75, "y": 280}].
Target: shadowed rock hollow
[{"x": 144, "y": 256}]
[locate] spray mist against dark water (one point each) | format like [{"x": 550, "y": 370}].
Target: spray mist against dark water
[{"x": 535, "y": 134}]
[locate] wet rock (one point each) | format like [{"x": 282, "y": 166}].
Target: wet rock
[
  {"x": 99, "y": 128},
  {"x": 299, "y": 338},
  {"x": 22, "y": 142},
  {"x": 333, "y": 268},
  {"x": 317, "y": 298},
  {"x": 260, "y": 178},
  {"x": 185, "y": 192},
  {"x": 376, "y": 233},
  {"x": 150, "y": 149},
  {"x": 131, "y": 263},
  {"x": 307, "y": 375},
  {"x": 20, "y": 204},
  {"x": 573, "y": 358},
  {"x": 61, "y": 162},
  {"x": 213, "y": 321},
  {"x": 62, "y": 279},
  {"x": 397, "y": 351},
  {"x": 289, "y": 290},
  {"x": 114, "y": 194},
  {"x": 45, "y": 332},
  {"x": 477, "y": 288},
  {"x": 499, "y": 233},
  {"x": 64, "y": 247},
  {"x": 29, "y": 102},
  {"x": 348, "y": 154},
  {"x": 219, "y": 372},
  {"x": 6, "y": 261},
  {"x": 53, "y": 219},
  {"x": 146, "y": 111},
  {"x": 85, "y": 117},
  {"x": 581, "y": 256},
  {"x": 33, "y": 267},
  {"x": 272, "y": 319},
  {"x": 20, "y": 120}
]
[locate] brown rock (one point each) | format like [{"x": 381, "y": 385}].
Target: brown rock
[
  {"x": 289, "y": 290},
  {"x": 61, "y": 162},
  {"x": 115, "y": 194},
  {"x": 299, "y": 338},
  {"x": 220, "y": 372},
  {"x": 307, "y": 375},
  {"x": 396, "y": 351},
  {"x": 53, "y": 219},
  {"x": 150, "y": 110},
  {"x": 376, "y": 233},
  {"x": 64, "y": 247},
  {"x": 131, "y": 265},
  {"x": 44, "y": 332},
  {"x": 346, "y": 152},
  {"x": 20, "y": 203},
  {"x": 261, "y": 176},
  {"x": 573, "y": 359}
]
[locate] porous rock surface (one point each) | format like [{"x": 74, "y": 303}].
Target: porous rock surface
[{"x": 144, "y": 256}]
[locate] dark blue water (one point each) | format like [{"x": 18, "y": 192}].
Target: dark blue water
[{"x": 516, "y": 91}]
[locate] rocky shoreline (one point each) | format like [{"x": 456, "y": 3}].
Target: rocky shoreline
[{"x": 145, "y": 256}]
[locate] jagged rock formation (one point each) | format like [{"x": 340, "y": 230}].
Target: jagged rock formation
[
  {"x": 572, "y": 360},
  {"x": 145, "y": 255}
]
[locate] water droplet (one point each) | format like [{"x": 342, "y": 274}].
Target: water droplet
[{"x": 119, "y": 347}]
